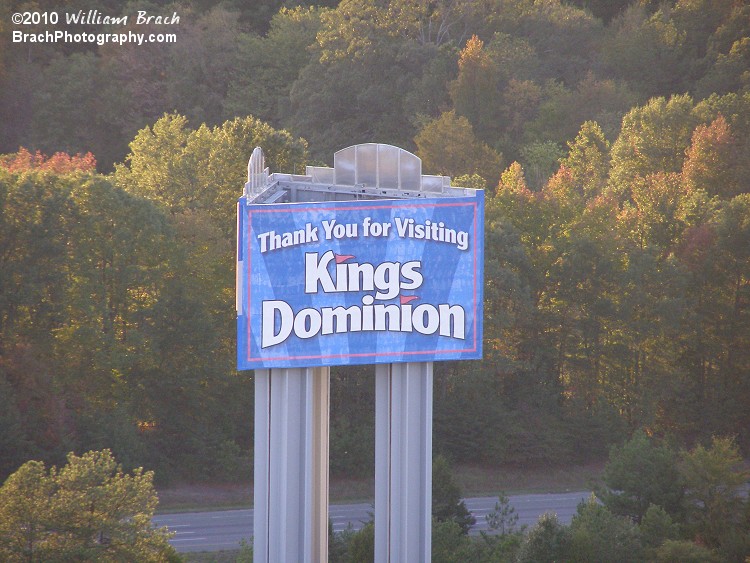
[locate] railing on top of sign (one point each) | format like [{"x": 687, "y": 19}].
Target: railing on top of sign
[
  {"x": 369, "y": 165},
  {"x": 257, "y": 173}
]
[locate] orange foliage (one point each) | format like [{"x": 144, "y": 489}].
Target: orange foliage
[
  {"x": 562, "y": 185},
  {"x": 711, "y": 162},
  {"x": 472, "y": 54},
  {"x": 59, "y": 163}
]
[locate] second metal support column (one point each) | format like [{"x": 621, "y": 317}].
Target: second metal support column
[{"x": 403, "y": 463}]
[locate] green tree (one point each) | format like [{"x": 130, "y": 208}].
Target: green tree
[
  {"x": 519, "y": 104},
  {"x": 362, "y": 545},
  {"x": 503, "y": 519},
  {"x": 545, "y": 542},
  {"x": 714, "y": 362},
  {"x": 222, "y": 151},
  {"x": 657, "y": 211},
  {"x": 713, "y": 480},
  {"x": 185, "y": 169},
  {"x": 599, "y": 536},
  {"x": 474, "y": 92},
  {"x": 447, "y": 504},
  {"x": 729, "y": 72},
  {"x": 65, "y": 116},
  {"x": 473, "y": 181},
  {"x": 449, "y": 542},
  {"x": 640, "y": 473},
  {"x": 195, "y": 176},
  {"x": 134, "y": 91},
  {"x": 588, "y": 162},
  {"x": 25, "y": 509},
  {"x": 541, "y": 160},
  {"x": 88, "y": 510},
  {"x": 261, "y": 85},
  {"x": 202, "y": 64},
  {"x": 682, "y": 551},
  {"x": 647, "y": 50},
  {"x": 716, "y": 40},
  {"x": 13, "y": 440},
  {"x": 562, "y": 109},
  {"x": 657, "y": 527},
  {"x": 355, "y": 89},
  {"x": 160, "y": 167},
  {"x": 101, "y": 286},
  {"x": 564, "y": 35}
]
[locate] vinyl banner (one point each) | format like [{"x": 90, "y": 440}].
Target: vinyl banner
[{"x": 359, "y": 282}]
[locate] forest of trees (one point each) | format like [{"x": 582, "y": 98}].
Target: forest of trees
[{"x": 613, "y": 139}]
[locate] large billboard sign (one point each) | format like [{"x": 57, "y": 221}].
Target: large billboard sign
[{"x": 360, "y": 282}]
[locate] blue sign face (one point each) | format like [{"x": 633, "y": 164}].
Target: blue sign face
[{"x": 359, "y": 282}]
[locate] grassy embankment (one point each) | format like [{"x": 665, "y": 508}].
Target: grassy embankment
[{"x": 473, "y": 480}]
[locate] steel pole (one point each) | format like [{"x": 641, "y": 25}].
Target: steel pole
[
  {"x": 291, "y": 465},
  {"x": 403, "y": 463}
]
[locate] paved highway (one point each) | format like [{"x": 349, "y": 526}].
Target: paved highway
[{"x": 214, "y": 531}]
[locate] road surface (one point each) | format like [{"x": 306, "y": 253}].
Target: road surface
[{"x": 214, "y": 531}]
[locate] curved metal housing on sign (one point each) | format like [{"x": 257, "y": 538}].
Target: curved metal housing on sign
[{"x": 379, "y": 166}]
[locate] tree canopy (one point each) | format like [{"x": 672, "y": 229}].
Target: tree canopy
[
  {"x": 612, "y": 139},
  {"x": 87, "y": 510}
]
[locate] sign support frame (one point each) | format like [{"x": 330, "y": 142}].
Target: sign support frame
[{"x": 292, "y": 399}]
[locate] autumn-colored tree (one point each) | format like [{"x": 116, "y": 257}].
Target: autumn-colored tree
[
  {"x": 711, "y": 161},
  {"x": 653, "y": 139},
  {"x": 59, "y": 163},
  {"x": 447, "y": 145}
]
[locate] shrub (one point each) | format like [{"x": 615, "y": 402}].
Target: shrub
[
  {"x": 640, "y": 473},
  {"x": 546, "y": 542},
  {"x": 598, "y": 536}
]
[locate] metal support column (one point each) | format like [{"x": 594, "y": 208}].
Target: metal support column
[
  {"x": 291, "y": 465},
  {"x": 403, "y": 463}
]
